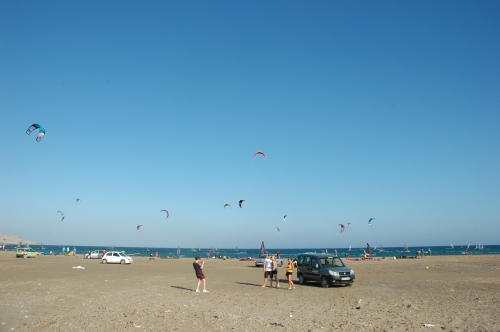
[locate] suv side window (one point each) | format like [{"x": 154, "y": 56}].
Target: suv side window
[
  {"x": 306, "y": 261},
  {"x": 299, "y": 260},
  {"x": 315, "y": 262}
]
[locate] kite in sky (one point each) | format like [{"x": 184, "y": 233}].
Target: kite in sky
[
  {"x": 139, "y": 228},
  {"x": 166, "y": 212},
  {"x": 284, "y": 218},
  {"x": 341, "y": 228},
  {"x": 41, "y": 131},
  {"x": 227, "y": 205},
  {"x": 262, "y": 153},
  {"x": 279, "y": 230},
  {"x": 241, "y": 201},
  {"x": 77, "y": 200},
  {"x": 61, "y": 214},
  {"x": 370, "y": 221},
  {"x": 347, "y": 225}
]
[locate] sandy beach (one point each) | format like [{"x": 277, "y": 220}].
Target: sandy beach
[{"x": 48, "y": 294}]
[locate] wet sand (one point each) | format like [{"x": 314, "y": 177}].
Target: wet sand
[{"x": 47, "y": 294}]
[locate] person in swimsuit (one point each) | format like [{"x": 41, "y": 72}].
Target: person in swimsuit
[
  {"x": 198, "y": 269},
  {"x": 289, "y": 272}
]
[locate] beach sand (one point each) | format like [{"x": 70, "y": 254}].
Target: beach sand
[{"x": 455, "y": 293}]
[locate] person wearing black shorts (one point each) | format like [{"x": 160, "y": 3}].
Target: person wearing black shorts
[
  {"x": 268, "y": 271},
  {"x": 198, "y": 269},
  {"x": 275, "y": 272}
]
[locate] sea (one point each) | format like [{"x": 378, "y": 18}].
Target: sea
[{"x": 377, "y": 252}]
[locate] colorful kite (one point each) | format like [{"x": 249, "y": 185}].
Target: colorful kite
[
  {"x": 61, "y": 214},
  {"x": 77, "y": 200},
  {"x": 241, "y": 201},
  {"x": 166, "y": 212},
  {"x": 284, "y": 217},
  {"x": 139, "y": 228},
  {"x": 370, "y": 221},
  {"x": 262, "y": 153},
  {"x": 41, "y": 131},
  {"x": 341, "y": 228}
]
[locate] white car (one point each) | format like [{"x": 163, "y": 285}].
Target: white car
[
  {"x": 259, "y": 261},
  {"x": 116, "y": 257},
  {"x": 94, "y": 254}
]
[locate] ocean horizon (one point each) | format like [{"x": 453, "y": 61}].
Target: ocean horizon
[{"x": 378, "y": 252}]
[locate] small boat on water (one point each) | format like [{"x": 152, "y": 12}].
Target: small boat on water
[
  {"x": 193, "y": 249},
  {"x": 349, "y": 248},
  {"x": 406, "y": 248},
  {"x": 452, "y": 247}
]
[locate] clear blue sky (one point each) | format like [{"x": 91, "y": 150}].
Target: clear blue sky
[{"x": 384, "y": 109}]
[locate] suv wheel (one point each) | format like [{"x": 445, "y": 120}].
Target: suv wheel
[
  {"x": 122, "y": 262},
  {"x": 302, "y": 280},
  {"x": 324, "y": 282},
  {"x": 104, "y": 261}
]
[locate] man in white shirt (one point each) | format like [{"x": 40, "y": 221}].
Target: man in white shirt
[{"x": 268, "y": 270}]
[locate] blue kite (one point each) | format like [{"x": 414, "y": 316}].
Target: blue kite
[{"x": 41, "y": 131}]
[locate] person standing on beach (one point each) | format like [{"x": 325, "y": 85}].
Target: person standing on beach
[
  {"x": 268, "y": 270},
  {"x": 198, "y": 269},
  {"x": 275, "y": 272},
  {"x": 289, "y": 272}
]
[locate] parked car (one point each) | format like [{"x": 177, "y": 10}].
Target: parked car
[
  {"x": 94, "y": 254},
  {"x": 259, "y": 261},
  {"x": 116, "y": 257},
  {"x": 323, "y": 268},
  {"x": 26, "y": 252}
]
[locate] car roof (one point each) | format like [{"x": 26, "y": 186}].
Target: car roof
[{"x": 317, "y": 255}]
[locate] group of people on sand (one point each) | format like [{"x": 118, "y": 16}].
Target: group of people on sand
[{"x": 270, "y": 269}]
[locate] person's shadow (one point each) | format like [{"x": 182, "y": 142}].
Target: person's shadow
[
  {"x": 183, "y": 288},
  {"x": 248, "y": 284},
  {"x": 260, "y": 285}
]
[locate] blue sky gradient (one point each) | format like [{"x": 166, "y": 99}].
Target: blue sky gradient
[{"x": 365, "y": 109}]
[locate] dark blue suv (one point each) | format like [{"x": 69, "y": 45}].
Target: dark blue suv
[{"x": 323, "y": 268}]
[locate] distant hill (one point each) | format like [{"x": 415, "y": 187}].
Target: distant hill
[{"x": 9, "y": 239}]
